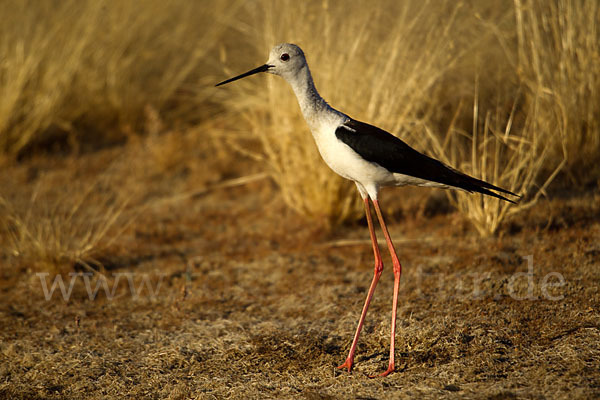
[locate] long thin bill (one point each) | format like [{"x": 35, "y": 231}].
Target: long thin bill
[{"x": 262, "y": 68}]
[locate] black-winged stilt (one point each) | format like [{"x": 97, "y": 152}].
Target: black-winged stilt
[{"x": 368, "y": 156}]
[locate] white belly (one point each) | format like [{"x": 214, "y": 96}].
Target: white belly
[{"x": 347, "y": 163}]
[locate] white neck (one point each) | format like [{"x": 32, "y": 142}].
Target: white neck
[{"x": 311, "y": 103}]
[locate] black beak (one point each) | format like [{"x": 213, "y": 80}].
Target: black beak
[{"x": 262, "y": 68}]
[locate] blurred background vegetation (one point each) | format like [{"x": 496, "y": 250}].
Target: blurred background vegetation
[{"x": 505, "y": 90}]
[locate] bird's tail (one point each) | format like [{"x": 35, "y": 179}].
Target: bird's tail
[{"x": 471, "y": 184}]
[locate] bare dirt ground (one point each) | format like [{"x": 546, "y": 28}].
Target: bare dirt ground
[{"x": 237, "y": 297}]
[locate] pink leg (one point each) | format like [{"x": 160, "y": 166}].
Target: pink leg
[
  {"x": 397, "y": 273},
  {"x": 378, "y": 269}
]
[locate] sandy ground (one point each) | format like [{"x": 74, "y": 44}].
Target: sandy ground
[{"x": 230, "y": 295}]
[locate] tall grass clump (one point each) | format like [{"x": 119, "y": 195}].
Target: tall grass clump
[
  {"x": 90, "y": 67},
  {"x": 53, "y": 227},
  {"x": 411, "y": 67},
  {"x": 558, "y": 61},
  {"x": 78, "y": 211},
  {"x": 553, "y": 124},
  {"x": 380, "y": 64},
  {"x": 509, "y": 150}
]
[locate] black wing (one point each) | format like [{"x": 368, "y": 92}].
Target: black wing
[{"x": 380, "y": 147}]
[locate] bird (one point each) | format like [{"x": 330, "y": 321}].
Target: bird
[{"x": 370, "y": 157}]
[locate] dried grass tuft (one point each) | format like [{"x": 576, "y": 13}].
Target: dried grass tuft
[
  {"x": 395, "y": 88},
  {"x": 93, "y": 66},
  {"x": 531, "y": 115},
  {"x": 514, "y": 158},
  {"x": 73, "y": 213},
  {"x": 558, "y": 58},
  {"x": 59, "y": 226}
]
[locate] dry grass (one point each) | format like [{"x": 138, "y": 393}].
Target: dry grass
[
  {"x": 52, "y": 226},
  {"x": 391, "y": 84},
  {"x": 503, "y": 157},
  {"x": 416, "y": 81},
  {"x": 254, "y": 303},
  {"x": 55, "y": 214},
  {"x": 251, "y": 306},
  {"x": 91, "y": 67},
  {"x": 551, "y": 117},
  {"x": 558, "y": 55},
  {"x": 58, "y": 236}
]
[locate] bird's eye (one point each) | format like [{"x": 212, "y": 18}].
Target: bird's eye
[{"x": 285, "y": 57}]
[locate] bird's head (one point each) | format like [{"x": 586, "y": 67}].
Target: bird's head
[{"x": 285, "y": 60}]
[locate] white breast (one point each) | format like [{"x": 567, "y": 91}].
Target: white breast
[{"x": 341, "y": 158}]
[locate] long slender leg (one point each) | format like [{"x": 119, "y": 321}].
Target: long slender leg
[
  {"x": 377, "y": 273},
  {"x": 397, "y": 273}
]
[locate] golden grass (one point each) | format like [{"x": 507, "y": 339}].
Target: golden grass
[
  {"x": 55, "y": 214},
  {"x": 409, "y": 68},
  {"x": 558, "y": 58},
  {"x": 55, "y": 228},
  {"x": 73, "y": 215},
  {"x": 389, "y": 84},
  {"x": 557, "y": 46},
  {"x": 280, "y": 318},
  {"x": 508, "y": 157},
  {"x": 91, "y": 67},
  {"x": 94, "y": 68}
]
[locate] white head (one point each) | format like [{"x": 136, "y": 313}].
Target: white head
[{"x": 285, "y": 60}]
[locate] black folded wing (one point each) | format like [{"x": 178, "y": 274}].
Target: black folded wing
[{"x": 380, "y": 147}]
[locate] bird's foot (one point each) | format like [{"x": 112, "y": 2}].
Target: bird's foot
[
  {"x": 386, "y": 372},
  {"x": 347, "y": 364}
]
